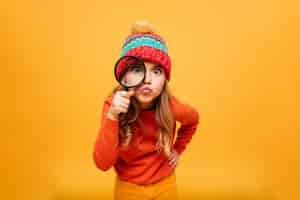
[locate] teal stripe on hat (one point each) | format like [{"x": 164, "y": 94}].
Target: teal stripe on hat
[{"x": 144, "y": 41}]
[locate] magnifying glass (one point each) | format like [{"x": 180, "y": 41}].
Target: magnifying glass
[{"x": 130, "y": 71}]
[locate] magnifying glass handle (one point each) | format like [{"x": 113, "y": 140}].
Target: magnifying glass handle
[{"x": 122, "y": 115}]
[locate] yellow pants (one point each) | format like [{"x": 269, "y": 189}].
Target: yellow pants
[{"x": 166, "y": 189}]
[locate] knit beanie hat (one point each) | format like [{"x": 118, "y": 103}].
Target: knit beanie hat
[{"x": 147, "y": 45}]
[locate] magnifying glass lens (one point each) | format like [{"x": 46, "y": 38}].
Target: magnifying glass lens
[
  {"x": 130, "y": 71},
  {"x": 133, "y": 76}
]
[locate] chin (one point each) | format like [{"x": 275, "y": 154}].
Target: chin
[{"x": 144, "y": 98}]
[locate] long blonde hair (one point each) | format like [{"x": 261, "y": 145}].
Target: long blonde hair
[{"x": 163, "y": 115}]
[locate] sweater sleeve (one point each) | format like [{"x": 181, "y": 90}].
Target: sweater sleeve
[
  {"x": 106, "y": 145},
  {"x": 188, "y": 117}
]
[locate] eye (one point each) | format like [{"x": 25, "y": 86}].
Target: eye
[{"x": 157, "y": 70}]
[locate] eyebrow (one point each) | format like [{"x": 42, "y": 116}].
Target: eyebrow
[{"x": 158, "y": 65}]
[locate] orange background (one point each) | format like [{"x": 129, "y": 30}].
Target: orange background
[{"x": 237, "y": 62}]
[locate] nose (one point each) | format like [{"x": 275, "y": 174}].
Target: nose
[{"x": 148, "y": 77}]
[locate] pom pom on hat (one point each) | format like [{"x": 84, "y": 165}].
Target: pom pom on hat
[
  {"x": 145, "y": 44},
  {"x": 142, "y": 26}
]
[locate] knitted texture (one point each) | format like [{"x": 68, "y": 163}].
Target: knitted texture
[{"x": 147, "y": 46}]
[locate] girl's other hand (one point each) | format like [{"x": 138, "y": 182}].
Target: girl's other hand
[{"x": 174, "y": 158}]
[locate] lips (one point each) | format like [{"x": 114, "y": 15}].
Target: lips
[{"x": 146, "y": 90}]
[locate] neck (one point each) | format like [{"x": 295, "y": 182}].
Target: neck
[{"x": 147, "y": 106}]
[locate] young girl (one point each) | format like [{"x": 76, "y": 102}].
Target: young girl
[{"x": 141, "y": 146}]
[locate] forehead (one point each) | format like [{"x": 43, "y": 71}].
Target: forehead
[{"x": 151, "y": 64}]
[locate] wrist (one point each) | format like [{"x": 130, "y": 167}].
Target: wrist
[{"x": 111, "y": 115}]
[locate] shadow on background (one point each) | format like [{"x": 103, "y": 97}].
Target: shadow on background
[{"x": 203, "y": 196}]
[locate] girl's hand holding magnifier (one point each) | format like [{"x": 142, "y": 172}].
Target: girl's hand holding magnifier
[{"x": 120, "y": 104}]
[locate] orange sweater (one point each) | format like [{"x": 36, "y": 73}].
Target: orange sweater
[{"x": 141, "y": 163}]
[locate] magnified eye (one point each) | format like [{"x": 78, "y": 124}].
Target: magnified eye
[{"x": 136, "y": 69}]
